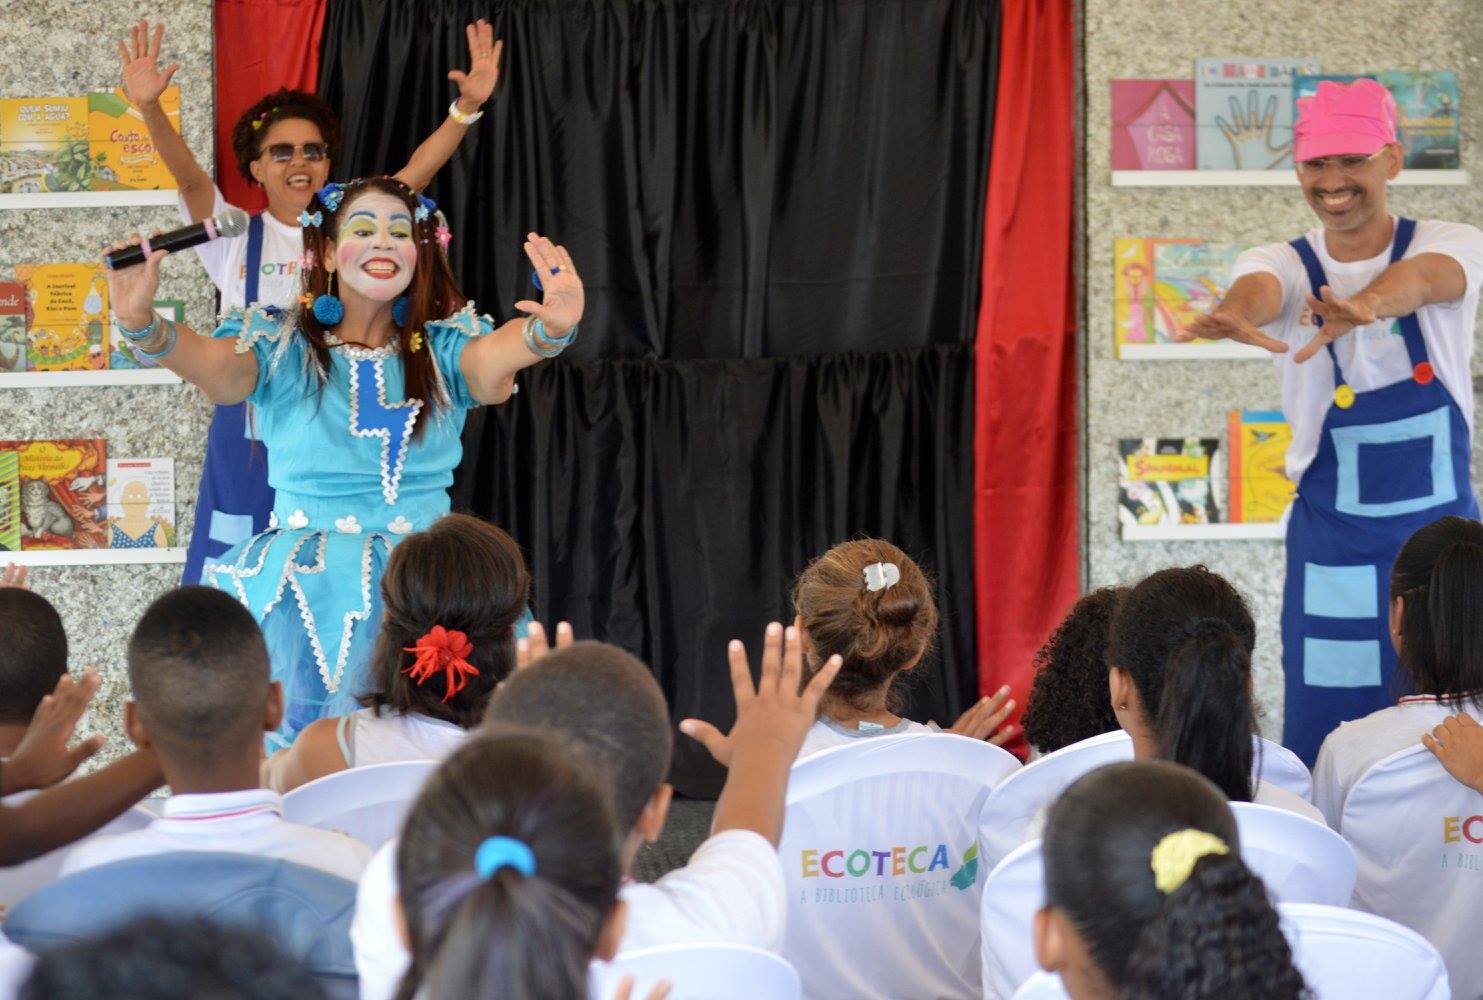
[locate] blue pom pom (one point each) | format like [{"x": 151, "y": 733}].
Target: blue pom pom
[
  {"x": 329, "y": 310},
  {"x": 535, "y": 276},
  {"x": 399, "y": 311}
]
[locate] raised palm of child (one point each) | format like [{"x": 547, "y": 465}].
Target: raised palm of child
[{"x": 144, "y": 81}]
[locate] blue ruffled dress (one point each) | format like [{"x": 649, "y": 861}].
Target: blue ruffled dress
[{"x": 351, "y": 482}]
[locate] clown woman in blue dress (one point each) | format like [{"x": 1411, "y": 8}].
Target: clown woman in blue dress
[{"x": 360, "y": 394}]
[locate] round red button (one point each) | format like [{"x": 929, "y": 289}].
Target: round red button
[{"x": 1423, "y": 373}]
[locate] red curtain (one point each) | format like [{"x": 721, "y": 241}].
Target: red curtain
[
  {"x": 261, "y": 45},
  {"x": 1026, "y": 565}
]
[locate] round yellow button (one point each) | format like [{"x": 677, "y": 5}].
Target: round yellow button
[{"x": 1344, "y": 397}]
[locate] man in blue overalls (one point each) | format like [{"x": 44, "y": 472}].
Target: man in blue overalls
[{"x": 1370, "y": 321}]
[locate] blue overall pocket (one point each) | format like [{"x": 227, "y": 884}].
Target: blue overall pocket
[{"x": 1394, "y": 468}]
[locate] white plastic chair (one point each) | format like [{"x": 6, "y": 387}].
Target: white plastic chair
[
  {"x": 1042, "y": 986},
  {"x": 1299, "y": 859},
  {"x": 1277, "y": 765},
  {"x": 19, "y": 881},
  {"x": 368, "y": 803},
  {"x": 882, "y": 865},
  {"x": 1012, "y": 894},
  {"x": 1014, "y": 803},
  {"x": 1418, "y": 835},
  {"x": 699, "y": 972},
  {"x": 1344, "y": 954}
]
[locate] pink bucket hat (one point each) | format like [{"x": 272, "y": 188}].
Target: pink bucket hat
[{"x": 1343, "y": 119}]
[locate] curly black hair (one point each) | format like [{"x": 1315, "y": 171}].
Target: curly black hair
[
  {"x": 1215, "y": 935},
  {"x": 247, "y": 141},
  {"x": 1068, "y": 698},
  {"x": 160, "y": 958}
]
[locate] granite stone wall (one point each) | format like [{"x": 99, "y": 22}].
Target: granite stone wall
[
  {"x": 1178, "y": 398},
  {"x": 63, "y": 47}
]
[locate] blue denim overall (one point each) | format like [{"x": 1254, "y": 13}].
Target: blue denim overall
[{"x": 1392, "y": 460}]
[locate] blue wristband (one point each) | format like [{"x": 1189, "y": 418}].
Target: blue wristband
[
  {"x": 170, "y": 340},
  {"x": 138, "y": 335}
]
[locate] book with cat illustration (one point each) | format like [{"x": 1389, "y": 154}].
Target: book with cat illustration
[
  {"x": 141, "y": 503},
  {"x": 62, "y": 492}
]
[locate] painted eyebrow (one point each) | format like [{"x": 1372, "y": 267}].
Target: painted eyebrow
[{"x": 367, "y": 213}]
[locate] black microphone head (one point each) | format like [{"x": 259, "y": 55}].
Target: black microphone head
[{"x": 232, "y": 222}]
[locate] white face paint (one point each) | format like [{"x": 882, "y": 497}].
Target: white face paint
[{"x": 376, "y": 252}]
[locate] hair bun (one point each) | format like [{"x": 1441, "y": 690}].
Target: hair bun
[{"x": 894, "y": 607}]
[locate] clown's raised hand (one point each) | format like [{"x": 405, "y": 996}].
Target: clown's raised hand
[
  {"x": 562, "y": 298},
  {"x": 475, "y": 86}
]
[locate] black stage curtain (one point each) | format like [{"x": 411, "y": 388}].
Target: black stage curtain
[{"x": 776, "y": 208}]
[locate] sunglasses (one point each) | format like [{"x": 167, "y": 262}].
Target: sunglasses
[
  {"x": 1346, "y": 164},
  {"x": 283, "y": 152}
]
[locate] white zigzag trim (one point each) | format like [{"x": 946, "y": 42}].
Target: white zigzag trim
[
  {"x": 391, "y": 472},
  {"x": 235, "y": 572}
]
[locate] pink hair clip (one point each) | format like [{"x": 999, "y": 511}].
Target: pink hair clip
[
  {"x": 445, "y": 237},
  {"x": 308, "y": 261}
]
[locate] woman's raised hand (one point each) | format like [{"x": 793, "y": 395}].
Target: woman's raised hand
[
  {"x": 475, "y": 86},
  {"x": 562, "y": 299},
  {"x": 144, "y": 81},
  {"x": 131, "y": 290}
]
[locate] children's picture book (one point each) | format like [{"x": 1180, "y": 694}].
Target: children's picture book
[
  {"x": 69, "y": 316},
  {"x": 141, "y": 503},
  {"x": 1153, "y": 124},
  {"x": 1258, "y": 489},
  {"x": 124, "y": 354},
  {"x": 10, "y": 501},
  {"x": 1161, "y": 285},
  {"x": 12, "y": 326},
  {"x": 44, "y": 145},
  {"x": 62, "y": 492},
  {"x": 1428, "y": 123},
  {"x": 1243, "y": 112},
  {"x": 1166, "y": 481},
  {"x": 123, "y": 155}
]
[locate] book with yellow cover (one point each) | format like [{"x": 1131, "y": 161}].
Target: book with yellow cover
[
  {"x": 124, "y": 157},
  {"x": 69, "y": 316},
  {"x": 62, "y": 492},
  {"x": 44, "y": 145},
  {"x": 1259, "y": 490}
]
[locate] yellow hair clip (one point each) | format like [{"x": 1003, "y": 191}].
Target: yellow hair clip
[
  {"x": 414, "y": 344},
  {"x": 1177, "y": 854}
]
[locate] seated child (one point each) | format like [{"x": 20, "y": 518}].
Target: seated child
[
  {"x": 1180, "y": 679},
  {"x": 452, "y": 595},
  {"x": 156, "y": 958},
  {"x": 609, "y": 704},
  {"x": 202, "y": 701},
  {"x": 1147, "y": 895},
  {"x": 1068, "y": 699},
  {"x": 869, "y": 603},
  {"x": 509, "y": 868},
  {"x": 1436, "y": 584}
]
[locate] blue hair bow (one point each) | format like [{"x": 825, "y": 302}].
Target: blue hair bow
[
  {"x": 331, "y": 194},
  {"x": 308, "y": 218},
  {"x": 495, "y": 853}
]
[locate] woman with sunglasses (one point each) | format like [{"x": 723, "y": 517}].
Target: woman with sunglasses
[
  {"x": 1369, "y": 319},
  {"x": 285, "y": 143}
]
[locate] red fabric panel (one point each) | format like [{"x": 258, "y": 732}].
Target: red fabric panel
[
  {"x": 1026, "y": 564},
  {"x": 261, "y": 45}
]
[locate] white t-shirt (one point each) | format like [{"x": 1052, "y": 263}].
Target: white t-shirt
[
  {"x": 1372, "y": 356},
  {"x": 1267, "y": 794},
  {"x": 731, "y": 892},
  {"x": 826, "y": 733},
  {"x": 225, "y": 260},
  {"x": 245, "y": 822},
  {"x": 1355, "y": 747},
  {"x": 367, "y": 738}
]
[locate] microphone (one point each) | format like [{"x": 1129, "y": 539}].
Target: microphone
[{"x": 232, "y": 222}]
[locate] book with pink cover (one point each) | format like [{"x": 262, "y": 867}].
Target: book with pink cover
[{"x": 1153, "y": 124}]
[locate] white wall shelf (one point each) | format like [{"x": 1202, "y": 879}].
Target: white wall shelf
[
  {"x": 1267, "y": 178},
  {"x": 1223, "y": 350},
  {"x": 1203, "y": 532},
  {"x": 88, "y": 199},
  {"x": 75, "y": 379},
  {"x": 93, "y": 557}
]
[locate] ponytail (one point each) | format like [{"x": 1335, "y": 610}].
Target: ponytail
[
  {"x": 1438, "y": 574},
  {"x": 1216, "y": 936},
  {"x": 508, "y": 868},
  {"x": 1206, "y": 717},
  {"x": 1143, "y": 858}
]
